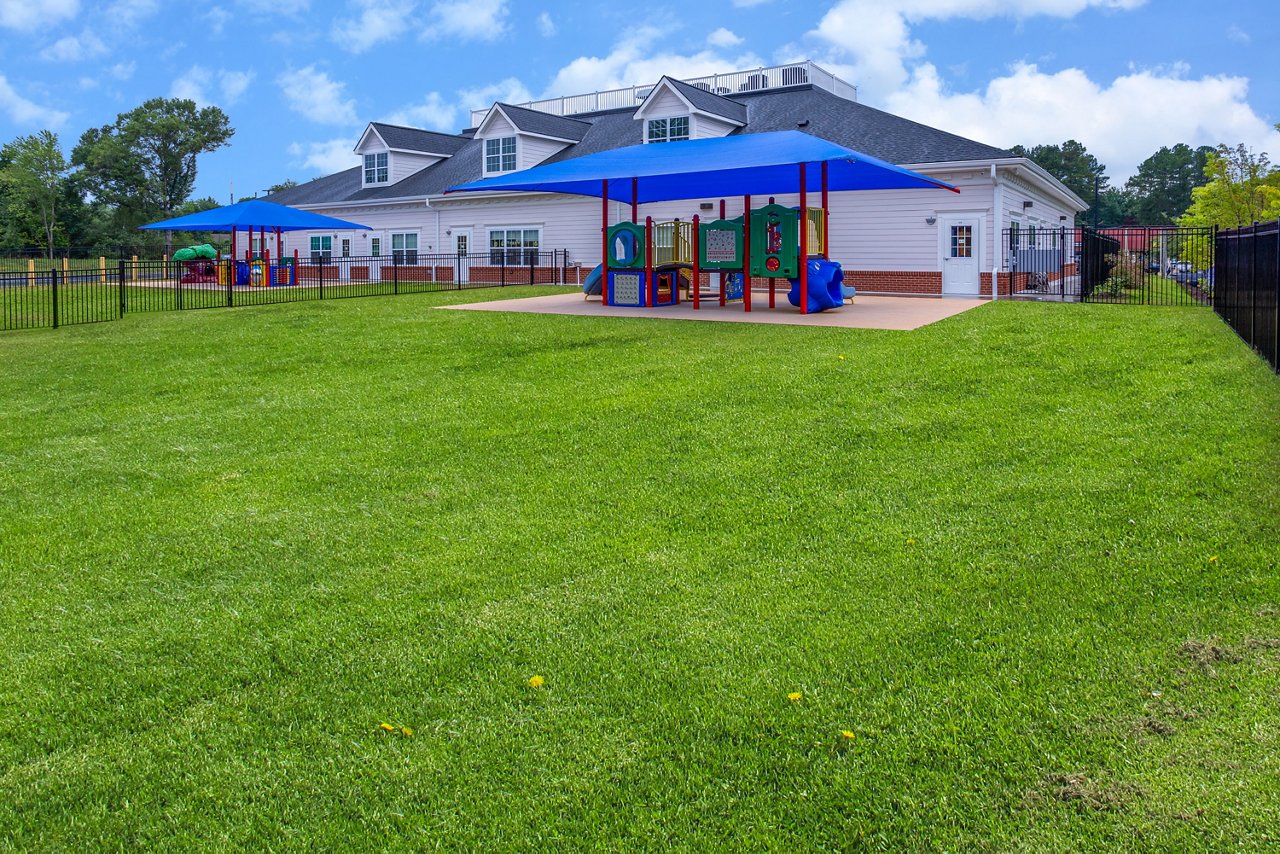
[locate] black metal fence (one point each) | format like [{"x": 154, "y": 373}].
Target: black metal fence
[
  {"x": 37, "y": 294},
  {"x": 1139, "y": 265},
  {"x": 1247, "y": 295}
]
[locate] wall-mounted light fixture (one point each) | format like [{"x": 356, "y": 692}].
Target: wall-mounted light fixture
[
  {"x": 930, "y": 219},
  {"x": 1026, "y": 204},
  {"x": 706, "y": 206},
  {"x": 1062, "y": 219},
  {"x": 448, "y": 232}
]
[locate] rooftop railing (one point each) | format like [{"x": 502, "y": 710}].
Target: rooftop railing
[{"x": 752, "y": 80}]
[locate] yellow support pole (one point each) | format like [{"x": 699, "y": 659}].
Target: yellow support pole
[
  {"x": 65, "y": 268},
  {"x": 31, "y": 272},
  {"x": 102, "y": 270},
  {"x": 133, "y": 277}
]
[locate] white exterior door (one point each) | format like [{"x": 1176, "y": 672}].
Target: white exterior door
[
  {"x": 462, "y": 255},
  {"x": 961, "y": 255}
]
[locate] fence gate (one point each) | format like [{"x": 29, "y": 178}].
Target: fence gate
[{"x": 1133, "y": 265}]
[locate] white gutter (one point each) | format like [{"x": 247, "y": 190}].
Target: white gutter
[
  {"x": 1046, "y": 181},
  {"x": 997, "y": 218}
]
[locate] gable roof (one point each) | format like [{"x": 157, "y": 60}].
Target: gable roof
[
  {"x": 805, "y": 108},
  {"x": 417, "y": 139},
  {"x": 705, "y": 101},
  {"x": 539, "y": 123}
]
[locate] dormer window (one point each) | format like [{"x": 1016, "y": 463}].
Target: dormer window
[
  {"x": 500, "y": 155},
  {"x": 375, "y": 168},
  {"x": 668, "y": 130}
]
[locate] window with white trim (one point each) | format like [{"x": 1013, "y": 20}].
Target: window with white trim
[
  {"x": 321, "y": 248},
  {"x": 673, "y": 129},
  {"x": 375, "y": 168},
  {"x": 404, "y": 248},
  {"x": 514, "y": 246},
  {"x": 375, "y": 246},
  {"x": 500, "y": 155}
]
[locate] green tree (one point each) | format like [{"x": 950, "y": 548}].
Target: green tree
[
  {"x": 1073, "y": 165},
  {"x": 1161, "y": 189},
  {"x": 283, "y": 185},
  {"x": 35, "y": 174},
  {"x": 1242, "y": 188},
  {"x": 145, "y": 163}
]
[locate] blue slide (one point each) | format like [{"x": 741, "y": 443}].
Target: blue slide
[
  {"x": 826, "y": 279},
  {"x": 591, "y": 287}
]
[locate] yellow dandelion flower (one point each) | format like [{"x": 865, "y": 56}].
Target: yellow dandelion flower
[
  {"x": 842, "y": 357},
  {"x": 911, "y": 541},
  {"x": 794, "y": 696},
  {"x": 1213, "y": 559},
  {"x": 848, "y": 734},
  {"x": 536, "y": 681},
  {"x": 386, "y": 727},
  {"x": 406, "y": 732}
]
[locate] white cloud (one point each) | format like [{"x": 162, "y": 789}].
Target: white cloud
[
  {"x": 378, "y": 21},
  {"x": 467, "y": 20},
  {"x": 73, "y": 48},
  {"x": 1121, "y": 123},
  {"x": 123, "y": 70},
  {"x": 1238, "y": 35},
  {"x": 508, "y": 91},
  {"x": 633, "y": 60},
  {"x": 546, "y": 26},
  {"x": 26, "y": 113},
  {"x": 872, "y": 40},
  {"x": 198, "y": 80},
  {"x": 127, "y": 13},
  {"x": 314, "y": 94},
  {"x": 218, "y": 18},
  {"x": 328, "y": 157},
  {"x": 747, "y": 4},
  {"x": 432, "y": 112},
  {"x": 28, "y": 15},
  {"x": 724, "y": 38}
]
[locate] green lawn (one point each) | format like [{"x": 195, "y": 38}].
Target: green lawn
[{"x": 1026, "y": 557}]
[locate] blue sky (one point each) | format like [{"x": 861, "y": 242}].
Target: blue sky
[{"x": 301, "y": 78}]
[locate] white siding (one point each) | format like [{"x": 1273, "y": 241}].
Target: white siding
[
  {"x": 705, "y": 127},
  {"x": 498, "y": 126},
  {"x": 532, "y": 150},
  {"x": 664, "y": 102},
  {"x": 403, "y": 164}
]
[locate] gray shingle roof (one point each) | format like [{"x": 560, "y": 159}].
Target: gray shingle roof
[
  {"x": 708, "y": 102},
  {"x": 804, "y": 108},
  {"x": 545, "y": 124},
  {"x": 416, "y": 139}
]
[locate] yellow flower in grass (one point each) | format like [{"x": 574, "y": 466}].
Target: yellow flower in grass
[
  {"x": 847, "y": 734},
  {"x": 795, "y": 696},
  {"x": 386, "y": 727},
  {"x": 1213, "y": 559},
  {"x": 406, "y": 732},
  {"x": 536, "y": 681}
]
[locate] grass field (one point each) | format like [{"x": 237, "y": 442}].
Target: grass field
[{"x": 1006, "y": 582}]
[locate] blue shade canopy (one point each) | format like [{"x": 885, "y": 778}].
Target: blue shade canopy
[
  {"x": 254, "y": 213},
  {"x": 757, "y": 164}
]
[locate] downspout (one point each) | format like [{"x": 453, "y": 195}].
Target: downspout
[
  {"x": 436, "y": 245},
  {"x": 997, "y": 218}
]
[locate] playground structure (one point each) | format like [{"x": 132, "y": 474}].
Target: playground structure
[{"x": 649, "y": 264}]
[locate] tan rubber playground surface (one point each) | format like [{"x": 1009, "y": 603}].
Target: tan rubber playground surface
[{"x": 902, "y": 313}]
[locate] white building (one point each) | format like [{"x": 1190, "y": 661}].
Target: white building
[{"x": 891, "y": 241}]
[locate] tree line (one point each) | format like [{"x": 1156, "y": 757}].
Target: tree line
[
  {"x": 139, "y": 169},
  {"x": 1226, "y": 186}
]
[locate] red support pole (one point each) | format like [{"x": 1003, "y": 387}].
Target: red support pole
[
  {"x": 804, "y": 244},
  {"x": 604, "y": 242},
  {"x": 648, "y": 264},
  {"x": 279, "y": 245},
  {"x": 233, "y": 244},
  {"x": 635, "y": 205},
  {"x": 723, "y": 275},
  {"x": 697, "y": 269},
  {"x": 826, "y": 217},
  {"x": 746, "y": 253},
  {"x": 293, "y": 274}
]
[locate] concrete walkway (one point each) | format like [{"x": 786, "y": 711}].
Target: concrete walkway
[{"x": 901, "y": 313}]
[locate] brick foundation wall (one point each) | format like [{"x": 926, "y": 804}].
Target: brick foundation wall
[{"x": 896, "y": 281}]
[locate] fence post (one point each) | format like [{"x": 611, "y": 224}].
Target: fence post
[
  {"x": 54, "y": 274},
  {"x": 502, "y": 267},
  {"x": 230, "y": 272},
  {"x": 122, "y": 293},
  {"x": 134, "y": 271},
  {"x": 321, "y": 275},
  {"x": 177, "y": 281},
  {"x": 1275, "y": 306},
  {"x": 1253, "y": 287},
  {"x": 533, "y": 262},
  {"x": 395, "y": 278}
]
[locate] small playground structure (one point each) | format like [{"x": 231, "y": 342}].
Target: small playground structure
[
  {"x": 652, "y": 264},
  {"x": 648, "y": 264}
]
